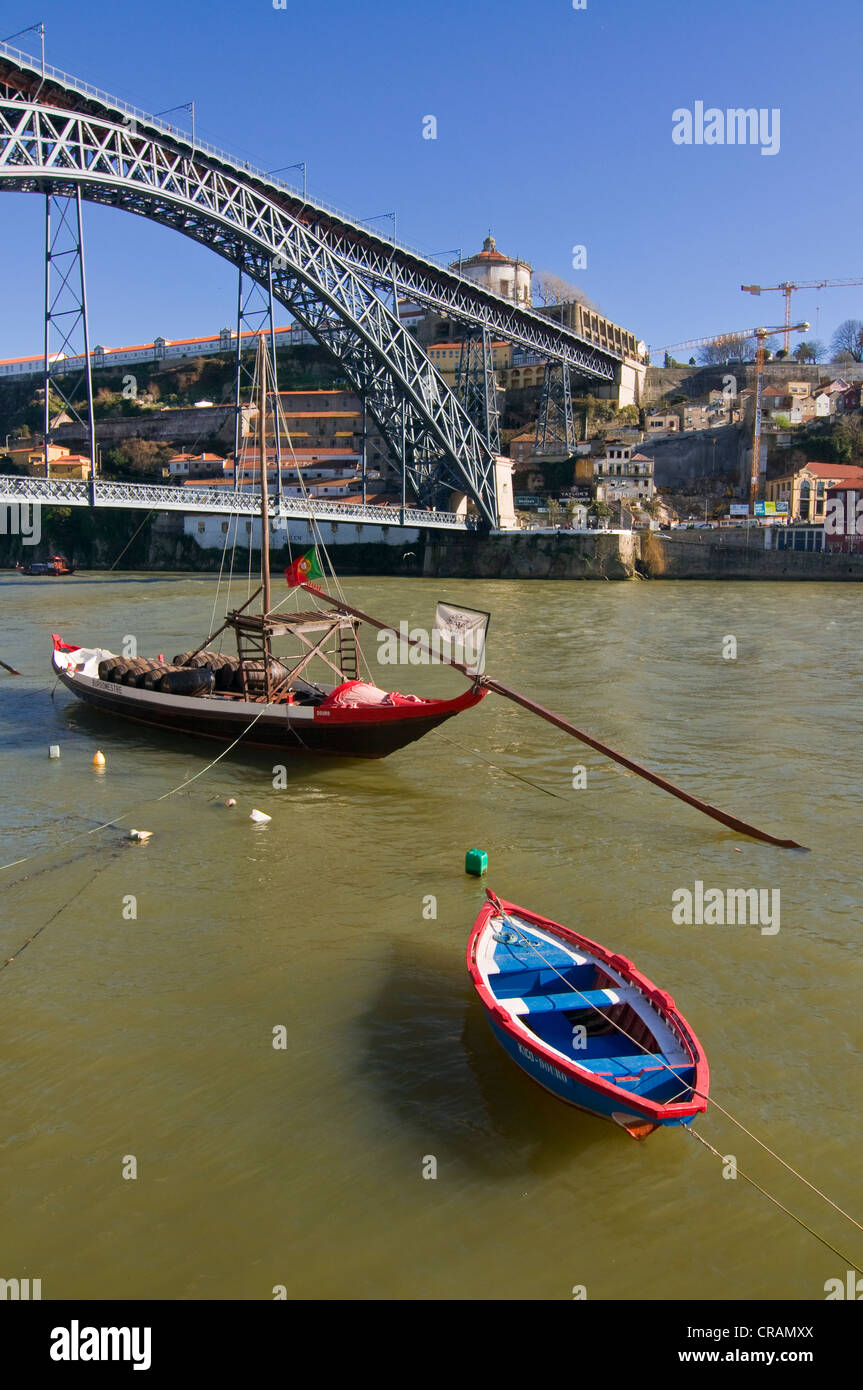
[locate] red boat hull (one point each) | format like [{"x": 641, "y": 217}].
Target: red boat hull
[{"x": 365, "y": 732}]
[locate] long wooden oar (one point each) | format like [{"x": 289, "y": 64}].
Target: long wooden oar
[
  {"x": 733, "y": 822},
  {"x": 10, "y": 669}
]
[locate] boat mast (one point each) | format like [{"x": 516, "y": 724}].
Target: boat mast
[{"x": 265, "y": 501}]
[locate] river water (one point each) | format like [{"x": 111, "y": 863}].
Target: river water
[{"x": 146, "y": 1042}]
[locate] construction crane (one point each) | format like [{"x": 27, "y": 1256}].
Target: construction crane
[
  {"x": 788, "y": 287},
  {"x": 719, "y": 338},
  {"x": 760, "y": 335}
]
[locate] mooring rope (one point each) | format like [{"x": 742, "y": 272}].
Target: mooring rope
[
  {"x": 150, "y": 800},
  {"x": 62, "y": 908},
  {"x": 472, "y": 752},
  {"x": 763, "y": 1190},
  {"x": 693, "y": 1089}
]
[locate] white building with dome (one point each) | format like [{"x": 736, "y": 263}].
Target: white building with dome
[{"x": 511, "y": 279}]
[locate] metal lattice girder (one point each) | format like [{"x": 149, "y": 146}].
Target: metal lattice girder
[
  {"x": 66, "y": 333},
  {"x": 71, "y": 492},
  {"x": 476, "y": 386},
  {"x": 593, "y": 345},
  {"x": 45, "y": 149},
  {"x": 555, "y": 432}
]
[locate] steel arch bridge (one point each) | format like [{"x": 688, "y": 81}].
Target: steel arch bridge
[{"x": 58, "y": 136}]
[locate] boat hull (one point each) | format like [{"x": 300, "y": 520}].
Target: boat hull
[
  {"x": 351, "y": 733},
  {"x": 574, "y": 1091},
  {"x": 520, "y": 969}
]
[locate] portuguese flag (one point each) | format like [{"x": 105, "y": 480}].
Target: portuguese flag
[{"x": 306, "y": 567}]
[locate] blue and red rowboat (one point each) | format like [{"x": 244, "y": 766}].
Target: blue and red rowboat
[{"x": 584, "y": 1022}]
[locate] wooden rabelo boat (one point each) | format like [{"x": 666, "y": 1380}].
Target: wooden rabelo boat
[
  {"x": 584, "y": 1022},
  {"x": 265, "y": 697}
]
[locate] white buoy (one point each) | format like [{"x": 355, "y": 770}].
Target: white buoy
[
  {"x": 259, "y": 817},
  {"x": 140, "y": 836},
  {"x": 54, "y": 750},
  {"x": 231, "y": 801}
]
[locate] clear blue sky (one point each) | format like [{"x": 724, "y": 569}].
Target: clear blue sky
[{"x": 554, "y": 129}]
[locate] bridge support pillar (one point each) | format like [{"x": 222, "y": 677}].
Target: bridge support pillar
[
  {"x": 476, "y": 386},
  {"x": 555, "y": 430},
  {"x": 66, "y": 326}
]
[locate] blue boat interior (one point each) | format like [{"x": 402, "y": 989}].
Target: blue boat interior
[{"x": 554, "y": 1002}]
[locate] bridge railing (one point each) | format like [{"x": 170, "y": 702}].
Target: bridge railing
[{"x": 76, "y": 492}]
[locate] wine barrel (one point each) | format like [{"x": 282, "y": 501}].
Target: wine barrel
[
  {"x": 255, "y": 676},
  {"x": 215, "y": 660},
  {"x": 189, "y": 680},
  {"x": 226, "y": 673},
  {"x": 136, "y": 668},
  {"x": 151, "y": 678},
  {"x": 149, "y": 668},
  {"x": 112, "y": 667}
]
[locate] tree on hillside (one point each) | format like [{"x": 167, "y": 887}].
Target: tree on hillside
[
  {"x": 847, "y": 342},
  {"x": 138, "y": 458},
  {"x": 810, "y": 351},
  {"x": 730, "y": 349},
  {"x": 549, "y": 288}
]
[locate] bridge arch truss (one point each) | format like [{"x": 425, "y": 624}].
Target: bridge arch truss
[{"x": 337, "y": 280}]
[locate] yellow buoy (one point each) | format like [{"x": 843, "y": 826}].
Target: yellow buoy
[{"x": 99, "y": 759}]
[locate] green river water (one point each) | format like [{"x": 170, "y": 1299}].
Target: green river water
[{"x": 302, "y": 1167}]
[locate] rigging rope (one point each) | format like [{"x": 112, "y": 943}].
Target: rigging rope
[
  {"x": 150, "y": 800},
  {"x": 693, "y": 1089},
  {"x": 473, "y": 752},
  {"x": 763, "y": 1190},
  {"x": 78, "y": 891},
  {"x": 315, "y": 528}
]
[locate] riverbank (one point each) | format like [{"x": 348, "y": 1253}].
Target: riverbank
[{"x": 115, "y": 540}]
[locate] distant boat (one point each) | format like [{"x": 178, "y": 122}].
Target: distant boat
[
  {"x": 584, "y": 1022},
  {"x": 56, "y": 566}
]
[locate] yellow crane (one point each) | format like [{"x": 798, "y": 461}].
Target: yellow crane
[
  {"x": 788, "y": 287},
  {"x": 760, "y": 335}
]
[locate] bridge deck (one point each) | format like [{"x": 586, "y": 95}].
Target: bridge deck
[{"x": 66, "y": 492}]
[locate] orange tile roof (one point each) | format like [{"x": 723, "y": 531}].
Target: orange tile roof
[
  {"x": 458, "y": 345},
  {"x": 850, "y": 472}
]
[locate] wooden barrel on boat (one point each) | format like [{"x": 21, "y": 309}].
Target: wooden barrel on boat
[
  {"x": 223, "y": 666},
  {"x": 215, "y": 660},
  {"x": 186, "y": 680},
  {"x": 112, "y": 667},
  {"x": 255, "y": 680},
  {"x": 150, "y": 679},
  {"x": 226, "y": 673},
  {"x": 135, "y": 669},
  {"x": 148, "y": 673}
]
